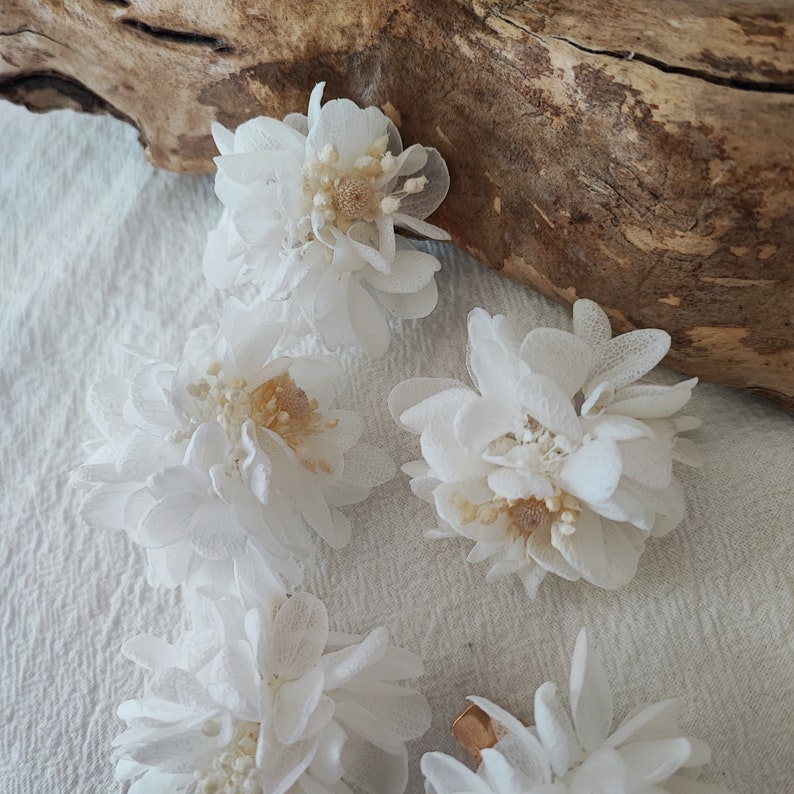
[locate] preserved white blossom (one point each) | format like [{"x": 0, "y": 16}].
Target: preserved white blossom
[
  {"x": 576, "y": 753},
  {"x": 233, "y": 452},
  {"x": 268, "y": 700},
  {"x": 311, "y": 209},
  {"x": 560, "y": 462}
]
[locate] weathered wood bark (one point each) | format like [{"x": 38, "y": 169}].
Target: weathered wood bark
[{"x": 635, "y": 152}]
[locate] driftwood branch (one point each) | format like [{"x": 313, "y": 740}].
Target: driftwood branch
[{"x": 635, "y": 152}]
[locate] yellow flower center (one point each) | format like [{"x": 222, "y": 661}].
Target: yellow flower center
[
  {"x": 527, "y": 515},
  {"x": 354, "y": 197}
]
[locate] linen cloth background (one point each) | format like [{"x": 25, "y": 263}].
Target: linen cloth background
[{"x": 98, "y": 249}]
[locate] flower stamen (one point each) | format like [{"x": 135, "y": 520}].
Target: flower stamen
[
  {"x": 527, "y": 516},
  {"x": 354, "y": 197},
  {"x": 279, "y": 405},
  {"x": 234, "y": 770}
]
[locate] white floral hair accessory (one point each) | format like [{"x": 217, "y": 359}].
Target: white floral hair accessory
[
  {"x": 268, "y": 701},
  {"x": 577, "y": 754},
  {"x": 234, "y": 452},
  {"x": 561, "y": 462},
  {"x": 312, "y": 203}
]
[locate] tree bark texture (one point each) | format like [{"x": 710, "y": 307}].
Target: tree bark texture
[{"x": 634, "y": 152}]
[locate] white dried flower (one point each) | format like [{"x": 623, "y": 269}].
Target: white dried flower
[
  {"x": 538, "y": 484},
  {"x": 234, "y": 451},
  {"x": 577, "y": 754},
  {"x": 268, "y": 701},
  {"x": 311, "y": 208}
]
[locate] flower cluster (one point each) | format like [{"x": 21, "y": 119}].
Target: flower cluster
[
  {"x": 266, "y": 700},
  {"x": 561, "y": 461},
  {"x": 225, "y": 465},
  {"x": 234, "y": 451},
  {"x": 577, "y": 754},
  {"x": 312, "y": 203}
]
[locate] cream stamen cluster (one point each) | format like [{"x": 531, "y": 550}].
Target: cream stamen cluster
[
  {"x": 234, "y": 770},
  {"x": 278, "y": 404},
  {"x": 534, "y": 448},
  {"x": 344, "y": 197}
]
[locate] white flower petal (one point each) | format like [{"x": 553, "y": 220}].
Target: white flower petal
[
  {"x": 103, "y": 506},
  {"x": 455, "y": 502},
  {"x": 448, "y": 776},
  {"x": 628, "y": 357},
  {"x": 410, "y": 272},
  {"x": 343, "y": 665},
  {"x": 207, "y": 446},
  {"x": 515, "y": 484},
  {"x": 558, "y": 355},
  {"x": 492, "y": 366},
  {"x": 413, "y": 306},
  {"x": 478, "y": 422},
  {"x": 150, "y": 652},
  {"x": 655, "y": 760},
  {"x": 327, "y": 764},
  {"x": 295, "y": 703},
  {"x": 213, "y": 532},
  {"x": 374, "y": 770},
  {"x": 591, "y": 697},
  {"x": 446, "y": 457},
  {"x": 280, "y": 765},
  {"x": 544, "y": 401},
  {"x": 299, "y": 634},
  {"x": 413, "y": 391},
  {"x": 583, "y": 549},
  {"x": 266, "y": 134},
  {"x": 354, "y": 717},
  {"x": 367, "y": 321},
  {"x": 224, "y": 139},
  {"x": 590, "y": 323},
  {"x": 350, "y": 128},
  {"x": 420, "y": 227},
  {"x": 555, "y": 730},
  {"x": 500, "y": 773},
  {"x": 168, "y": 521},
  {"x": 649, "y": 401},
  {"x": 235, "y": 682},
  {"x": 602, "y": 773},
  {"x": 593, "y": 472},
  {"x": 517, "y": 743},
  {"x": 620, "y": 428},
  {"x": 539, "y": 547},
  {"x": 444, "y": 399},
  {"x": 658, "y": 720}
]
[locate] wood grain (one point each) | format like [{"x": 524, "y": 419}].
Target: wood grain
[{"x": 637, "y": 153}]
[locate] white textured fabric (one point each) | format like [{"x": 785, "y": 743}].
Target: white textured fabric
[{"x": 98, "y": 249}]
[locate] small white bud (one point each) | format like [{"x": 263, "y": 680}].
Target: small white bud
[
  {"x": 321, "y": 200},
  {"x": 567, "y": 517},
  {"x": 415, "y": 184},
  {"x": 389, "y": 205},
  {"x": 367, "y": 165},
  {"x": 388, "y": 163},
  {"x": 378, "y": 146},
  {"x": 328, "y": 154}
]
